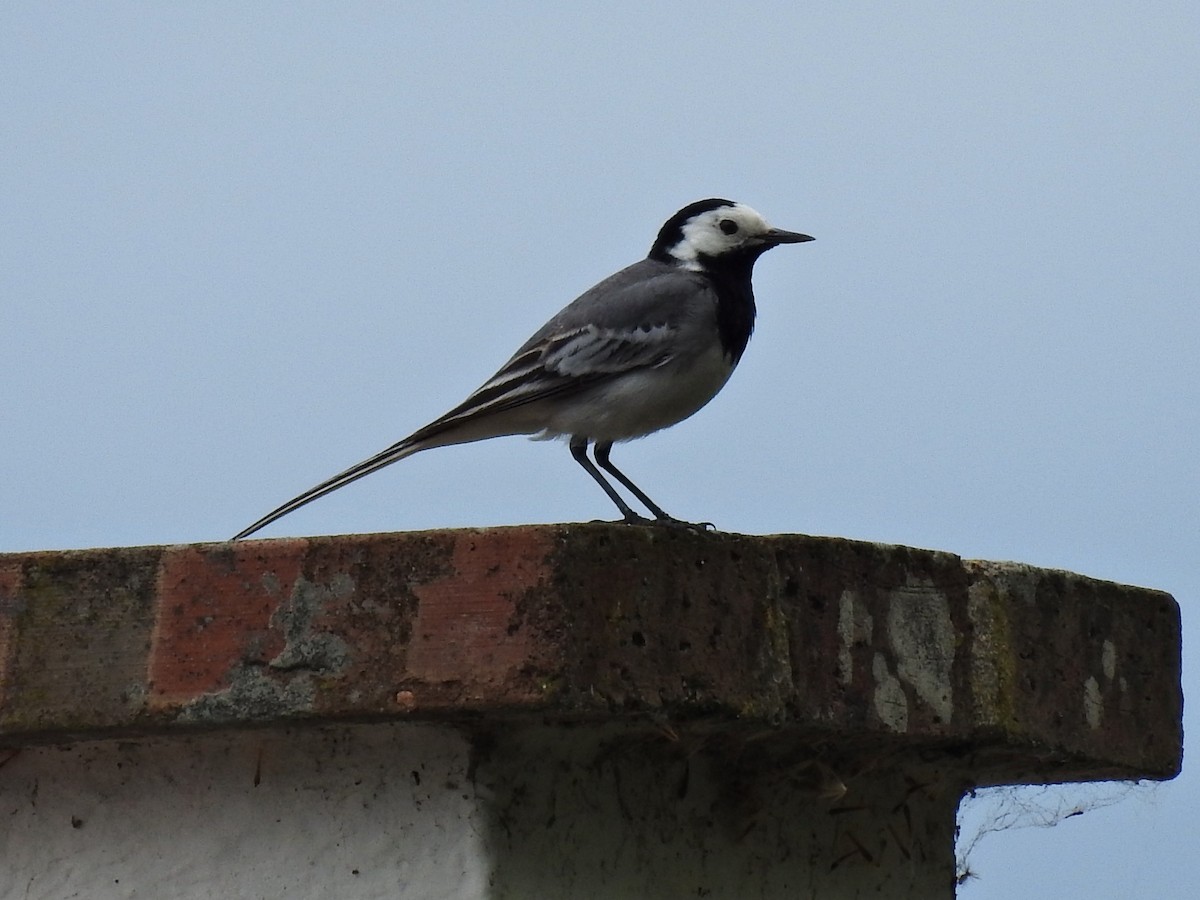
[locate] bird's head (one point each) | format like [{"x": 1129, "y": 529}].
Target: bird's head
[{"x": 709, "y": 231}]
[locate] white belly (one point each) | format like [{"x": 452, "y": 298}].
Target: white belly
[{"x": 644, "y": 401}]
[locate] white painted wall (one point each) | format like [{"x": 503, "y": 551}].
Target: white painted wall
[{"x": 377, "y": 811}]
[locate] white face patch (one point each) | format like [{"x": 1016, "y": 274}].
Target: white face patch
[{"x": 718, "y": 231}]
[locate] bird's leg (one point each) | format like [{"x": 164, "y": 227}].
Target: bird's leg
[
  {"x": 579, "y": 447},
  {"x": 601, "y": 452}
]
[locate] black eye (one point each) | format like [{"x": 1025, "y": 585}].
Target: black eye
[{"x": 729, "y": 226}]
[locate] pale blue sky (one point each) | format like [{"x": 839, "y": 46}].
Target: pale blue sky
[{"x": 245, "y": 245}]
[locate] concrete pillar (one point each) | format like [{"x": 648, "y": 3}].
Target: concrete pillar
[{"x": 561, "y": 711}]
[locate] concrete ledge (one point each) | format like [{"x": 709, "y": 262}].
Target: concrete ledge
[{"x": 1023, "y": 674}]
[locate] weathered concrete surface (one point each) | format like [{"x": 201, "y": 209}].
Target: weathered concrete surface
[
  {"x": 618, "y": 816},
  {"x": 1038, "y": 674},
  {"x": 400, "y": 811},
  {"x": 660, "y": 714}
]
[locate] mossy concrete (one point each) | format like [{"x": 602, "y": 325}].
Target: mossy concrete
[{"x": 1045, "y": 674}]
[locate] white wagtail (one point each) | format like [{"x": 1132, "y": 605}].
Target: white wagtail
[{"x": 643, "y": 349}]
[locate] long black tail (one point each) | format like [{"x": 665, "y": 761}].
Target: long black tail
[{"x": 394, "y": 453}]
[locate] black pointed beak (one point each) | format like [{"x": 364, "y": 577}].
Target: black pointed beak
[{"x": 779, "y": 236}]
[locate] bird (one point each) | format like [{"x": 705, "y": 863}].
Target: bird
[{"x": 640, "y": 351}]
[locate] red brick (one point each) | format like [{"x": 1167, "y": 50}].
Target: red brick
[
  {"x": 214, "y": 610},
  {"x": 466, "y": 626}
]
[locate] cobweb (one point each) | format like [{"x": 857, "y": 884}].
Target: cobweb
[{"x": 989, "y": 810}]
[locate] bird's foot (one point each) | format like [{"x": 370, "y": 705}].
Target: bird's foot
[
  {"x": 681, "y": 525},
  {"x": 633, "y": 518}
]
